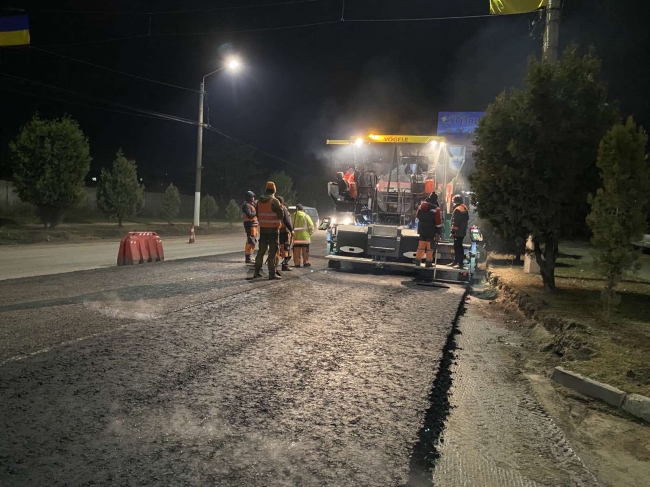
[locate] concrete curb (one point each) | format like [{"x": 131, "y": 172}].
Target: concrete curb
[
  {"x": 634, "y": 404},
  {"x": 583, "y": 385},
  {"x": 638, "y": 406}
]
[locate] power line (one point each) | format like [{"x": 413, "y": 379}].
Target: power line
[
  {"x": 213, "y": 129},
  {"x": 70, "y": 102},
  {"x": 165, "y": 12},
  {"x": 263, "y": 29},
  {"x": 99, "y": 41},
  {"x": 107, "y": 102},
  {"x": 327, "y": 22},
  {"x": 113, "y": 70},
  {"x": 424, "y": 19}
]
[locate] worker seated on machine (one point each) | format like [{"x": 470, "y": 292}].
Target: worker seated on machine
[{"x": 347, "y": 185}]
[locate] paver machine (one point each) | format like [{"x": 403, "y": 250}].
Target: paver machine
[{"x": 380, "y": 182}]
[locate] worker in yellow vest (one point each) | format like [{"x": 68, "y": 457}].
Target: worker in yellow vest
[
  {"x": 270, "y": 217},
  {"x": 303, "y": 227}
]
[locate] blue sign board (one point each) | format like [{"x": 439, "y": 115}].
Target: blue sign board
[
  {"x": 458, "y": 128},
  {"x": 458, "y": 122}
]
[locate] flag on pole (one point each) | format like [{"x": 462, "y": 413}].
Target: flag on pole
[
  {"x": 14, "y": 30},
  {"x": 505, "y": 7}
]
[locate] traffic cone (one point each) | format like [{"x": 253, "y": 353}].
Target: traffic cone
[{"x": 192, "y": 235}]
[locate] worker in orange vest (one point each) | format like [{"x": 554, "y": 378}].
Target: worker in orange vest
[
  {"x": 429, "y": 229},
  {"x": 251, "y": 225},
  {"x": 270, "y": 217},
  {"x": 286, "y": 234}
]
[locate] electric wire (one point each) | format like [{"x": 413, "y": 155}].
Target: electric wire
[
  {"x": 134, "y": 111},
  {"x": 216, "y": 130},
  {"x": 101, "y": 100},
  {"x": 113, "y": 70},
  {"x": 262, "y": 29},
  {"x": 71, "y": 102},
  {"x": 164, "y": 12}
]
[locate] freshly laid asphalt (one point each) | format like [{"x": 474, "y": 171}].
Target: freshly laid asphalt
[{"x": 187, "y": 373}]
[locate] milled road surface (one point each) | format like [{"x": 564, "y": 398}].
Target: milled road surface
[
  {"x": 18, "y": 261},
  {"x": 186, "y": 373}
]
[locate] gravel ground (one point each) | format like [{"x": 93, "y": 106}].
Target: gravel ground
[
  {"x": 321, "y": 379},
  {"x": 497, "y": 434}
]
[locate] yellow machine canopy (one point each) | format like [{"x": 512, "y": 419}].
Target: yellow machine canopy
[{"x": 387, "y": 139}]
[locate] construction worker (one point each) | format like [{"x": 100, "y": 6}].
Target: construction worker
[
  {"x": 286, "y": 232},
  {"x": 270, "y": 217},
  {"x": 459, "y": 221},
  {"x": 303, "y": 227},
  {"x": 251, "y": 225},
  {"x": 429, "y": 228}
]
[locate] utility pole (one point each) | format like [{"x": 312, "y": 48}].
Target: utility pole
[
  {"x": 199, "y": 159},
  {"x": 552, "y": 31}
]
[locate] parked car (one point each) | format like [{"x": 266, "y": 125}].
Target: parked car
[{"x": 311, "y": 211}]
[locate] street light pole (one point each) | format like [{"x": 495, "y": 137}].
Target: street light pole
[
  {"x": 233, "y": 64},
  {"x": 199, "y": 159}
]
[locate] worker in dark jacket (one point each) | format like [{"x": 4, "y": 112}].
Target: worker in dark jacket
[
  {"x": 429, "y": 228},
  {"x": 251, "y": 225},
  {"x": 270, "y": 217},
  {"x": 286, "y": 231},
  {"x": 459, "y": 221}
]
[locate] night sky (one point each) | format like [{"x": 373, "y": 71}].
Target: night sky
[{"x": 299, "y": 86}]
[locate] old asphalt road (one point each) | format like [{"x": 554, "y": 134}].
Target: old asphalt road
[
  {"x": 185, "y": 373},
  {"x": 39, "y": 259}
]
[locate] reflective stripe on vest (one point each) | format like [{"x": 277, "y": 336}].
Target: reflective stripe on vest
[
  {"x": 266, "y": 216},
  {"x": 304, "y": 221}
]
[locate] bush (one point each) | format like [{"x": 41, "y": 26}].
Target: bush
[
  {"x": 51, "y": 160},
  {"x": 209, "y": 208},
  {"x": 233, "y": 212},
  {"x": 119, "y": 194},
  {"x": 171, "y": 203}
]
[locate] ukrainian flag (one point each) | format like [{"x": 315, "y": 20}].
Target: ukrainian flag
[
  {"x": 14, "y": 31},
  {"x": 505, "y": 7}
]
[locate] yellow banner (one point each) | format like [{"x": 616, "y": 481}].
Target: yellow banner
[
  {"x": 505, "y": 7},
  {"x": 14, "y": 38}
]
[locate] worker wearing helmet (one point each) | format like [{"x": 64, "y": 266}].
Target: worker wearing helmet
[
  {"x": 303, "y": 227},
  {"x": 286, "y": 232},
  {"x": 429, "y": 228},
  {"x": 459, "y": 221},
  {"x": 251, "y": 225},
  {"x": 270, "y": 216}
]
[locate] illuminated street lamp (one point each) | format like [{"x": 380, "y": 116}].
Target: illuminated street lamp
[{"x": 232, "y": 64}]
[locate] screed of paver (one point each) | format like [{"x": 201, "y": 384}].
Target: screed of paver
[
  {"x": 497, "y": 435},
  {"x": 320, "y": 380}
]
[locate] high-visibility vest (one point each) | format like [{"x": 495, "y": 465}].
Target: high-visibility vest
[
  {"x": 266, "y": 216},
  {"x": 252, "y": 207},
  {"x": 303, "y": 227}
]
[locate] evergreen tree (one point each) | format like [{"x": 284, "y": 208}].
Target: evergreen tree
[
  {"x": 536, "y": 154},
  {"x": 618, "y": 211},
  {"x": 171, "y": 203},
  {"x": 233, "y": 212},
  {"x": 119, "y": 194},
  {"x": 209, "y": 208},
  {"x": 51, "y": 159}
]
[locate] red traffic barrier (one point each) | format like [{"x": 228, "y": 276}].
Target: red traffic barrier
[{"x": 140, "y": 248}]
